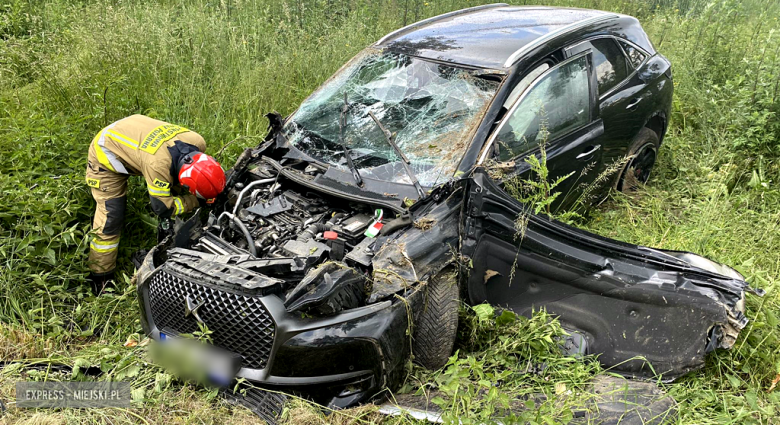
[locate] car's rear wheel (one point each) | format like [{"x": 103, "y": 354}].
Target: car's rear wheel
[
  {"x": 436, "y": 325},
  {"x": 642, "y": 153}
]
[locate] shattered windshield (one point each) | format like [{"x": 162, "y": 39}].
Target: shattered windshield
[{"x": 431, "y": 108}]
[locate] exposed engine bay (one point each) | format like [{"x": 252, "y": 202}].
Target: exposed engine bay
[
  {"x": 274, "y": 236},
  {"x": 285, "y": 221}
]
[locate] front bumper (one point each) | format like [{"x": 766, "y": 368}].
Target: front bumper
[{"x": 337, "y": 361}]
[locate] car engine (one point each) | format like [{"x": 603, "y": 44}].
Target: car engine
[
  {"x": 271, "y": 221},
  {"x": 276, "y": 236}
]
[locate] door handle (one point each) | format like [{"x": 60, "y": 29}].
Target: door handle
[
  {"x": 634, "y": 103},
  {"x": 588, "y": 153}
]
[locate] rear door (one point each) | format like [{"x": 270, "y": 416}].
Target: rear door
[
  {"x": 558, "y": 112},
  {"x": 624, "y": 98}
]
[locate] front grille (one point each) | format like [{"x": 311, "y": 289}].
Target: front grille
[{"x": 239, "y": 323}]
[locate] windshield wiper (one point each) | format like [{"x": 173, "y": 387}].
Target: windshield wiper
[
  {"x": 342, "y": 123},
  {"x": 404, "y": 161}
]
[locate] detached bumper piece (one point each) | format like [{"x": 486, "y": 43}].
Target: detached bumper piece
[{"x": 265, "y": 404}]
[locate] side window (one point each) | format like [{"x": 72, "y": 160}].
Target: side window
[
  {"x": 635, "y": 56},
  {"x": 557, "y": 103},
  {"x": 524, "y": 83},
  {"x": 609, "y": 62}
]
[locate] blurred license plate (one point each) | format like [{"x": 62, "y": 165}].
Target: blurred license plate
[{"x": 194, "y": 360}]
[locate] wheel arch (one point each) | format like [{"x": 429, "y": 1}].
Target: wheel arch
[{"x": 657, "y": 122}]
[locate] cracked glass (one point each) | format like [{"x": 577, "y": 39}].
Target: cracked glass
[{"x": 431, "y": 108}]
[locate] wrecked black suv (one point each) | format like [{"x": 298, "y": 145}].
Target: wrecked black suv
[{"x": 346, "y": 240}]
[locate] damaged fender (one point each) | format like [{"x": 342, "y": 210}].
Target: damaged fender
[{"x": 424, "y": 249}]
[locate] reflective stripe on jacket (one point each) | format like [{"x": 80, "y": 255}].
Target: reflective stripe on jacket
[{"x": 135, "y": 146}]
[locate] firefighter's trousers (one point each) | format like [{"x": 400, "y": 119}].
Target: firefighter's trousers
[{"x": 110, "y": 192}]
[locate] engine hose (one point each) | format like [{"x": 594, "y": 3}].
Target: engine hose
[
  {"x": 335, "y": 218},
  {"x": 312, "y": 231},
  {"x": 244, "y": 190},
  {"x": 249, "y": 241}
]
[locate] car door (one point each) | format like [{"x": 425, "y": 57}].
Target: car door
[
  {"x": 556, "y": 112},
  {"x": 624, "y": 98},
  {"x": 643, "y": 311}
]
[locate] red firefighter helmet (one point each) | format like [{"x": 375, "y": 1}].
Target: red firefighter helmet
[{"x": 202, "y": 175}]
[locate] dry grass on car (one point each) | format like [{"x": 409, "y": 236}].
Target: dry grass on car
[{"x": 425, "y": 223}]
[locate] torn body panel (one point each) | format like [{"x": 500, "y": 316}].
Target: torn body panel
[
  {"x": 417, "y": 254},
  {"x": 646, "y": 312}
]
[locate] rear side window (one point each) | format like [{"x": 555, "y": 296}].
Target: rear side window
[
  {"x": 609, "y": 62},
  {"x": 557, "y": 103},
  {"x": 634, "y": 55}
]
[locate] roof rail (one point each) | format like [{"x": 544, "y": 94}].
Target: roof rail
[
  {"x": 553, "y": 34},
  {"x": 424, "y": 22}
]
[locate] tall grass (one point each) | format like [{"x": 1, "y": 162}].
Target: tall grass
[{"x": 67, "y": 68}]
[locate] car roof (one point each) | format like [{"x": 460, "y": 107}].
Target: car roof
[{"x": 490, "y": 36}]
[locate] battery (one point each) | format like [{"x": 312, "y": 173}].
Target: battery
[{"x": 352, "y": 228}]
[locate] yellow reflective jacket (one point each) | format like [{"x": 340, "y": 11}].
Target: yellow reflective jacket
[{"x": 137, "y": 145}]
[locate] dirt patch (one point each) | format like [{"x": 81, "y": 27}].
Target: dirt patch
[
  {"x": 498, "y": 170},
  {"x": 424, "y": 223}
]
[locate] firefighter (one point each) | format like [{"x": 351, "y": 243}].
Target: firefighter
[{"x": 172, "y": 162}]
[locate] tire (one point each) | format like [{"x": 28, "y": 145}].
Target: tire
[
  {"x": 436, "y": 325},
  {"x": 643, "y": 152}
]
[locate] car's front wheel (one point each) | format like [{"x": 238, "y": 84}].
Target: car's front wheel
[
  {"x": 436, "y": 325},
  {"x": 642, "y": 155}
]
